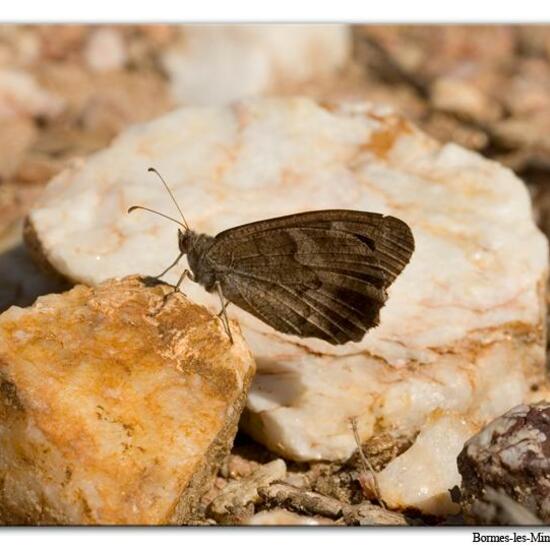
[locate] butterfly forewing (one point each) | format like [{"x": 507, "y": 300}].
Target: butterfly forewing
[{"x": 322, "y": 274}]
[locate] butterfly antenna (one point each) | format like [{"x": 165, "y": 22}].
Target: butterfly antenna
[
  {"x": 185, "y": 224},
  {"x": 132, "y": 208}
]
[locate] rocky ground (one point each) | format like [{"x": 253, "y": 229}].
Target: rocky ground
[{"x": 66, "y": 93}]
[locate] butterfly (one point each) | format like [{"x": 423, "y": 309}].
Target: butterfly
[{"x": 321, "y": 274}]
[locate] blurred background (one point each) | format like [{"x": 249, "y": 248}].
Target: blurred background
[{"x": 68, "y": 90}]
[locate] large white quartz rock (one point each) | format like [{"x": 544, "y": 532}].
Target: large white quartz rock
[
  {"x": 461, "y": 338},
  {"x": 213, "y": 64}
]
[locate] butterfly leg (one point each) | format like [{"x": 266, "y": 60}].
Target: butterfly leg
[
  {"x": 223, "y": 313},
  {"x": 186, "y": 273},
  {"x": 170, "y": 266}
]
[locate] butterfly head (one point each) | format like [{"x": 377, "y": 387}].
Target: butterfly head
[{"x": 185, "y": 239}]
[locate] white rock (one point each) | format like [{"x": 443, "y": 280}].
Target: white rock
[
  {"x": 220, "y": 63},
  {"x": 105, "y": 50},
  {"x": 284, "y": 517},
  {"x": 20, "y": 94},
  {"x": 462, "y": 331},
  {"x": 422, "y": 475}
]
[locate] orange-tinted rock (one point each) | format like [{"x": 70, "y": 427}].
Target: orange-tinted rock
[{"x": 115, "y": 408}]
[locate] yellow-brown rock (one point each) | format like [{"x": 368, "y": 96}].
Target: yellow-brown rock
[{"x": 116, "y": 405}]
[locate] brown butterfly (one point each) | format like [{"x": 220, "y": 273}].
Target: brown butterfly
[{"x": 321, "y": 274}]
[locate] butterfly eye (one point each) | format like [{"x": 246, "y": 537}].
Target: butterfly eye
[{"x": 183, "y": 241}]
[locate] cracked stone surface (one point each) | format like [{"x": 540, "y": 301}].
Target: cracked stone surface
[{"x": 461, "y": 337}]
